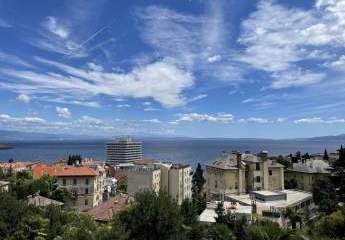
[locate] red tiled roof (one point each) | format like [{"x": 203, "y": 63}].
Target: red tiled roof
[
  {"x": 61, "y": 171},
  {"x": 105, "y": 211}
]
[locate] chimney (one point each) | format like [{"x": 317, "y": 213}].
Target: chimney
[
  {"x": 263, "y": 156},
  {"x": 238, "y": 159}
]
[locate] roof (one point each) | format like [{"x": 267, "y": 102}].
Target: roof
[
  {"x": 145, "y": 162},
  {"x": 62, "y": 171},
  {"x": 225, "y": 161},
  {"x": 311, "y": 166},
  {"x": 40, "y": 201},
  {"x": 209, "y": 214},
  {"x": 293, "y": 197},
  {"x": 105, "y": 211},
  {"x": 4, "y": 183},
  {"x": 17, "y": 165}
]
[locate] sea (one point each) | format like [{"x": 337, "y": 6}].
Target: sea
[{"x": 190, "y": 151}]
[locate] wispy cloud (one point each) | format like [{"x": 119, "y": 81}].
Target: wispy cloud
[
  {"x": 141, "y": 82},
  {"x": 4, "y": 24},
  {"x": 319, "y": 120},
  {"x": 224, "y": 118},
  {"x": 254, "y": 120},
  {"x": 10, "y": 59},
  {"x": 279, "y": 40}
]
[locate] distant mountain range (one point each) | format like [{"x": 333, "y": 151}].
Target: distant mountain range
[{"x": 9, "y": 136}]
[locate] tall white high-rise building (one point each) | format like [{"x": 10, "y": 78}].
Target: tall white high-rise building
[{"x": 124, "y": 150}]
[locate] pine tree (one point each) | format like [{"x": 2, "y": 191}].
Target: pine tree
[
  {"x": 198, "y": 181},
  {"x": 325, "y": 155}
]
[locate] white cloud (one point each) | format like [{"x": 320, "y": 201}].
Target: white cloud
[
  {"x": 280, "y": 120},
  {"x": 254, "y": 120},
  {"x": 123, "y": 105},
  {"x": 147, "y": 103},
  {"x": 63, "y": 112},
  {"x": 10, "y": 59},
  {"x": 319, "y": 120},
  {"x": 296, "y": 78},
  {"x": 90, "y": 120},
  {"x": 151, "y": 109},
  {"x": 192, "y": 41},
  {"x": 6, "y": 119},
  {"x": 95, "y": 67},
  {"x": 54, "y": 27},
  {"x": 23, "y": 98},
  {"x": 278, "y": 39},
  {"x": 163, "y": 81},
  {"x": 198, "y": 97},
  {"x": 197, "y": 117},
  {"x": 4, "y": 24},
  {"x": 215, "y": 58},
  {"x": 248, "y": 100},
  {"x": 154, "y": 120}
]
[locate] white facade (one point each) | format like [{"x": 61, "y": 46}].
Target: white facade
[{"x": 123, "y": 151}]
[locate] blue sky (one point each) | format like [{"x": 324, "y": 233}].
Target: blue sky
[{"x": 197, "y": 68}]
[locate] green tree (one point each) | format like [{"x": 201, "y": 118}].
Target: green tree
[
  {"x": 79, "y": 227},
  {"x": 122, "y": 184},
  {"x": 153, "y": 216},
  {"x": 18, "y": 220},
  {"x": 219, "y": 232},
  {"x": 113, "y": 231},
  {"x": 324, "y": 195},
  {"x": 198, "y": 196},
  {"x": 331, "y": 226}
]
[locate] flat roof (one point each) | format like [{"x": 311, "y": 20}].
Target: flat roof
[{"x": 293, "y": 197}]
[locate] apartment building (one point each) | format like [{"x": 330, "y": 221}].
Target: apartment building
[
  {"x": 180, "y": 182},
  {"x": 85, "y": 184},
  {"x": 236, "y": 173},
  {"x": 141, "y": 178},
  {"x": 124, "y": 150},
  {"x": 173, "y": 178},
  {"x": 306, "y": 172}
]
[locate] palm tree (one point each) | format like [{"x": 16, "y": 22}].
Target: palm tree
[
  {"x": 267, "y": 230},
  {"x": 295, "y": 216}
]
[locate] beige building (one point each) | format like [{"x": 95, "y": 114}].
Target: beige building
[
  {"x": 307, "y": 172},
  {"x": 85, "y": 184},
  {"x": 236, "y": 173},
  {"x": 142, "y": 178},
  {"x": 173, "y": 178},
  {"x": 180, "y": 182}
]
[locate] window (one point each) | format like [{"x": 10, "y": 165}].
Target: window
[
  {"x": 86, "y": 202},
  {"x": 258, "y": 179},
  {"x": 270, "y": 172},
  {"x": 87, "y": 181},
  {"x": 257, "y": 166},
  {"x": 215, "y": 184},
  {"x": 86, "y": 191},
  {"x": 64, "y": 182},
  {"x": 74, "y": 181}
]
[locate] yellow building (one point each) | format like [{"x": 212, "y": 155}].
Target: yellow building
[
  {"x": 236, "y": 173},
  {"x": 306, "y": 173},
  {"x": 85, "y": 184}
]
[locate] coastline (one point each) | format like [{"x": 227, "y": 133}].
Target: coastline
[{"x": 5, "y": 147}]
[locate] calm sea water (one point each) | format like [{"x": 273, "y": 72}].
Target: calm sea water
[{"x": 186, "y": 151}]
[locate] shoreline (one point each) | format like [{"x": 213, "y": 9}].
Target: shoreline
[{"x": 5, "y": 147}]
